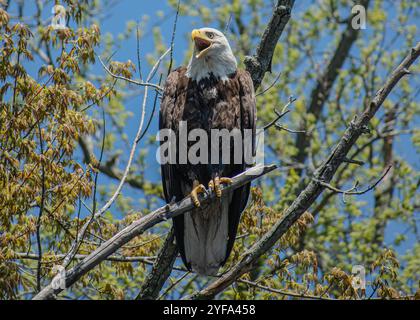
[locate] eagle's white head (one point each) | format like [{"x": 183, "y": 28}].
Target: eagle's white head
[{"x": 212, "y": 55}]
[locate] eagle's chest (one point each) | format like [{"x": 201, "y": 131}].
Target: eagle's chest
[{"x": 212, "y": 107}]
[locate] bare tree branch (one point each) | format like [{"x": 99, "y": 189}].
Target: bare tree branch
[
  {"x": 283, "y": 292},
  {"x": 280, "y": 114},
  {"x": 308, "y": 196},
  {"x": 114, "y": 258}
]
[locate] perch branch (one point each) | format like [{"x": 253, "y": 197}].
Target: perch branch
[{"x": 136, "y": 228}]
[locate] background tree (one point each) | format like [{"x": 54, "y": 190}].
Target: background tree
[{"x": 77, "y": 149}]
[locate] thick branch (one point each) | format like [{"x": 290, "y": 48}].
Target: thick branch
[
  {"x": 161, "y": 269},
  {"x": 308, "y": 196},
  {"x": 139, "y": 226},
  {"x": 260, "y": 63}
]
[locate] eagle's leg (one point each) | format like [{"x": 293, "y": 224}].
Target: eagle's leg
[
  {"x": 197, "y": 189},
  {"x": 215, "y": 183}
]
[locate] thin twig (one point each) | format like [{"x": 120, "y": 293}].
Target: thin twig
[
  {"x": 138, "y": 83},
  {"x": 173, "y": 285},
  {"x": 283, "y": 292},
  {"x": 270, "y": 86},
  {"x": 228, "y": 23},
  {"x": 280, "y": 114},
  {"x": 350, "y": 191},
  {"x": 153, "y": 111},
  {"x": 280, "y": 127},
  {"x": 41, "y": 210},
  {"x": 138, "y": 51},
  {"x": 173, "y": 37}
]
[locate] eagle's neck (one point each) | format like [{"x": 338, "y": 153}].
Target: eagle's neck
[{"x": 220, "y": 66}]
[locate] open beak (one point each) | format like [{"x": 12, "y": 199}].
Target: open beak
[{"x": 201, "y": 41}]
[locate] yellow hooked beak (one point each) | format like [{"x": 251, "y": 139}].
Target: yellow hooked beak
[{"x": 201, "y": 41}]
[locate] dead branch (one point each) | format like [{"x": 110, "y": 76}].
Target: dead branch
[
  {"x": 113, "y": 258},
  {"x": 270, "y": 86},
  {"x": 280, "y": 114},
  {"x": 283, "y": 292}
]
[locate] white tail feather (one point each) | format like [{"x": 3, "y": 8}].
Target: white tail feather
[{"x": 206, "y": 236}]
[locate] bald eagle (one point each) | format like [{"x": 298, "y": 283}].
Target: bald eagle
[{"x": 210, "y": 93}]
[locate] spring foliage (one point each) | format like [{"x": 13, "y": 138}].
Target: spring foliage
[{"x": 63, "y": 142}]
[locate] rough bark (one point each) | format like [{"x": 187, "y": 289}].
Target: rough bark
[
  {"x": 260, "y": 63},
  {"x": 160, "y": 271}
]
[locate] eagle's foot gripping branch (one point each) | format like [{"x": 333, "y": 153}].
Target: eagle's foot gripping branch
[
  {"x": 195, "y": 192},
  {"x": 215, "y": 183}
]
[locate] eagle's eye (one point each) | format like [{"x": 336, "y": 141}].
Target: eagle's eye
[{"x": 210, "y": 35}]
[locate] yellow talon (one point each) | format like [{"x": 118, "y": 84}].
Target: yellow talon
[
  {"x": 226, "y": 180},
  {"x": 215, "y": 183},
  {"x": 194, "y": 194}
]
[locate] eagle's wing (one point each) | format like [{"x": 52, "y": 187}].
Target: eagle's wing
[
  {"x": 170, "y": 107},
  {"x": 248, "y": 121}
]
